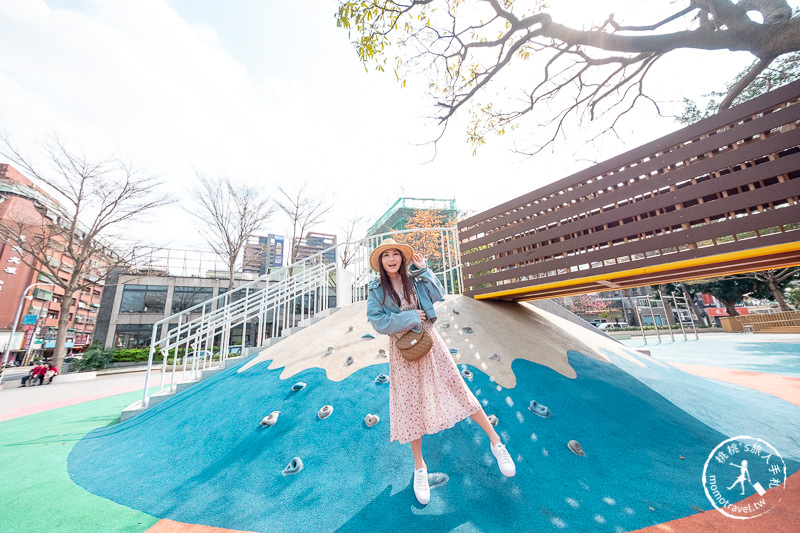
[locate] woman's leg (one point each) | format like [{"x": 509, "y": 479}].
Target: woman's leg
[
  {"x": 421, "y": 488},
  {"x": 483, "y": 421},
  {"x": 504, "y": 460},
  {"x": 416, "y": 448}
]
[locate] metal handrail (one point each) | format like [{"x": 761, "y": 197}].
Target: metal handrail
[{"x": 291, "y": 294}]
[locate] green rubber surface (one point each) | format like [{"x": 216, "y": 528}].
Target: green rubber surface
[{"x": 36, "y": 491}]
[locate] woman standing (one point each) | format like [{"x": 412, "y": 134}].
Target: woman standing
[{"x": 427, "y": 395}]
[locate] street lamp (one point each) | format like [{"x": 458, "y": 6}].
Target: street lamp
[{"x": 14, "y": 325}]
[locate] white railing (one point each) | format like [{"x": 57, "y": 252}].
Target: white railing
[{"x": 273, "y": 304}]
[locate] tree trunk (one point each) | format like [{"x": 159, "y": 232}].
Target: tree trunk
[
  {"x": 776, "y": 292},
  {"x": 60, "y": 350},
  {"x": 730, "y": 307},
  {"x": 230, "y": 278}
]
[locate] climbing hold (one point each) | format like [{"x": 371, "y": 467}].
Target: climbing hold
[
  {"x": 350, "y": 360},
  {"x": 298, "y": 386},
  {"x": 325, "y": 411},
  {"x": 466, "y": 373},
  {"x": 493, "y": 420},
  {"x": 370, "y": 420},
  {"x": 576, "y": 448},
  {"x": 437, "y": 479},
  {"x": 382, "y": 353},
  {"x": 349, "y": 329},
  {"x": 329, "y": 350},
  {"x": 494, "y": 357},
  {"x": 382, "y": 378},
  {"x": 467, "y": 330},
  {"x": 453, "y": 350},
  {"x": 456, "y": 312},
  {"x": 294, "y": 466},
  {"x": 270, "y": 419},
  {"x": 445, "y": 325},
  {"x": 367, "y": 336},
  {"x": 539, "y": 409}
]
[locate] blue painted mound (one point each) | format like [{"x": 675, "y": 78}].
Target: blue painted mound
[{"x": 202, "y": 456}]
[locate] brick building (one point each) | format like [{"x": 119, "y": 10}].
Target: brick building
[{"x": 22, "y": 200}]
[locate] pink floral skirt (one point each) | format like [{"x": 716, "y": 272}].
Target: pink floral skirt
[{"x": 428, "y": 395}]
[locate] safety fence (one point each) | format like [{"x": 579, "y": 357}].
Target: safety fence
[{"x": 784, "y": 321}]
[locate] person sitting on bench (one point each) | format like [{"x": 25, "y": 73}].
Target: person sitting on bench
[
  {"x": 34, "y": 374},
  {"x": 50, "y": 374}
]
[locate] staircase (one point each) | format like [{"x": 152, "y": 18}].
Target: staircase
[{"x": 274, "y": 306}]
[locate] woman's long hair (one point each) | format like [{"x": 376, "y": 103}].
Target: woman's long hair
[{"x": 386, "y": 283}]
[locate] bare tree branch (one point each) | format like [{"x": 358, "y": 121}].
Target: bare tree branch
[
  {"x": 69, "y": 235},
  {"x": 230, "y": 215},
  {"x": 464, "y": 48},
  {"x": 304, "y": 212}
]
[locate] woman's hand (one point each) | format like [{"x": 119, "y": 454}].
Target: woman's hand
[
  {"x": 421, "y": 314},
  {"x": 419, "y": 261}
]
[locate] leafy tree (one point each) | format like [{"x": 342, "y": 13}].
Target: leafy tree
[
  {"x": 428, "y": 243},
  {"x": 775, "y": 282},
  {"x": 794, "y": 297},
  {"x": 472, "y": 52},
  {"x": 611, "y": 314},
  {"x": 727, "y": 290},
  {"x": 783, "y": 70},
  {"x": 99, "y": 197},
  {"x": 231, "y": 214}
]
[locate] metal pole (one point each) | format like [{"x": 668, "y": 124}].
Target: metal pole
[
  {"x": 149, "y": 365},
  {"x": 639, "y": 319},
  {"x": 666, "y": 316},
  {"x": 653, "y": 316},
  {"x": 680, "y": 316}
]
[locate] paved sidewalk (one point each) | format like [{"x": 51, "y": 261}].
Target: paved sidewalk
[{"x": 18, "y": 401}]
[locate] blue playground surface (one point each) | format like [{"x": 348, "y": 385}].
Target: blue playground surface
[
  {"x": 202, "y": 457},
  {"x": 774, "y": 353}
]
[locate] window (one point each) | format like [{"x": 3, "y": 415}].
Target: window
[
  {"x": 185, "y": 297},
  {"x": 134, "y": 335},
  {"x": 237, "y": 295},
  {"x": 143, "y": 299}
]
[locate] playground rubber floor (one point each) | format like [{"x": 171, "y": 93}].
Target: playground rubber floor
[{"x": 39, "y": 495}]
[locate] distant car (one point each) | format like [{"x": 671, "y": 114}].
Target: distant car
[
  {"x": 612, "y": 325},
  {"x": 197, "y": 355},
  {"x": 234, "y": 350}
]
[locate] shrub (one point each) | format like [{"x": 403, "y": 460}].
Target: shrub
[
  {"x": 95, "y": 357},
  {"x": 131, "y": 355}
]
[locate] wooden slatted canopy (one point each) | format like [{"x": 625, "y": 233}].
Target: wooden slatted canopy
[{"x": 719, "y": 197}]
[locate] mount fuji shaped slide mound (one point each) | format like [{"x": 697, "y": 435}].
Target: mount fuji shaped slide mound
[{"x": 645, "y": 430}]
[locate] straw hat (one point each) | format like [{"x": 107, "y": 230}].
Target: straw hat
[{"x": 388, "y": 244}]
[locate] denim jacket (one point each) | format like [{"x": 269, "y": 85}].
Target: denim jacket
[{"x": 387, "y": 317}]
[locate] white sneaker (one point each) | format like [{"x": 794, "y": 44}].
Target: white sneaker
[
  {"x": 504, "y": 460},
  {"x": 421, "y": 488}
]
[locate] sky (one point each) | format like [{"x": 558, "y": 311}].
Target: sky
[{"x": 271, "y": 93}]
